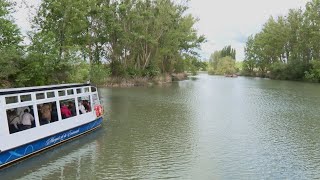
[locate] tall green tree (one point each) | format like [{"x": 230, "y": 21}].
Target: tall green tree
[
  {"x": 10, "y": 49},
  {"x": 61, "y": 37},
  {"x": 223, "y": 61},
  {"x": 228, "y": 51},
  {"x": 287, "y": 46},
  {"x": 150, "y": 36},
  {"x": 132, "y": 38},
  {"x": 250, "y": 62}
]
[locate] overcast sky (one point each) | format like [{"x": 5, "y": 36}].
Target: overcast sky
[
  {"x": 24, "y": 13},
  {"x": 230, "y": 22},
  {"x": 223, "y": 22}
]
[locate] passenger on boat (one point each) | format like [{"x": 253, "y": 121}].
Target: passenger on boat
[
  {"x": 86, "y": 105},
  {"x": 72, "y": 108},
  {"x": 54, "y": 113},
  {"x": 20, "y": 111},
  {"x": 26, "y": 120},
  {"x": 65, "y": 112},
  {"x": 14, "y": 121},
  {"x": 45, "y": 114},
  {"x": 82, "y": 109}
]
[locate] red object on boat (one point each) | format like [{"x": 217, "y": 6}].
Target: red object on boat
[{"x": 99, "y": 110}]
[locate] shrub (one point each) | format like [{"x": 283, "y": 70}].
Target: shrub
[
  {"x": 99, "y": 73},
  {"x": 133, "y": 72},
  {"x": 117, "y": 69},
  {"x": 278, "y": 71},
  {"x": 292, "y": 71},
  {"x": 151, "y": 71},
  {"x": 313, "y": 74}
]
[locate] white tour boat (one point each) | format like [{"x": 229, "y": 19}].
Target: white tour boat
[{"x": 37, "y": 118}]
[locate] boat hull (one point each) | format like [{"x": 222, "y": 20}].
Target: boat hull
[{"x": 23, "y": 151}]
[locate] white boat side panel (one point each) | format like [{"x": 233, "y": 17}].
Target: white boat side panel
[
  {"x": 4, "y": 128},
  {"x": 13, "y": 140}
]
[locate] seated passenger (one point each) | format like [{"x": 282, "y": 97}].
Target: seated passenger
[
  {"x": 26, "y": 120},
  {"x": 20, "y": 110},
  {"x": 82, "y": 109},
  {"x": 54, "y": 113},
  {"x": 14, "y": 121},
  {"x": 65, "y": 112},
  {"x": 72, "y": 108},
  {"x": 45, "y": 114},
  {"x": 86, "y": 105}
]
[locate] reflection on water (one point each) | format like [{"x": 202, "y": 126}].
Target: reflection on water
[
  {"x": 193, "y": 78},
  {"x": 209, "y": 127},
  {"x": 63, "y": 161}
]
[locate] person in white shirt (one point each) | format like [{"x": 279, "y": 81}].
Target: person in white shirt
[
  {"x": 20, "y": 111},
  {"x": 82, "y": 109},
  {"x": 26, "y": 120}
]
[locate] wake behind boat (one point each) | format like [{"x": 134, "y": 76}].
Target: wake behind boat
[{"x": 37, "y": 118}]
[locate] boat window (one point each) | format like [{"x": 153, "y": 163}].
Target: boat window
[
  {"x": 40, "y": 96},
  {"x": 11, "y": 99},
  {"x": 25, "y": 98},
  {"x": 93, "y": 89},
  {"x": 79, "y": 91},
  {"x": 47, "y": 113},
  {"x": 20, "y": 119},
  {"x": 70, "y": 91},
  {"x": 84, "y": 104},
  {"x": 50, "y": 94},
  {"x": 68, "y": 108},
  {"x": 86, "y": 89},
  {"x": 62, "y": 93},
  {"x": 95, "y": 100}
]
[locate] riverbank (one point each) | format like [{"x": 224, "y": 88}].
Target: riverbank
[
  {"x": 144, "y": 81},
  {"x": 272, "y": 76}
]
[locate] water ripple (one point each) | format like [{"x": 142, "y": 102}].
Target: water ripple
[{"x": 206, "y": 128}]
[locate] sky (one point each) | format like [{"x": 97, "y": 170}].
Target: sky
[
  {"x": 24, "y": 14},
  {"x": 223, "y": 22},
  {"x": 231, "y": 22}
]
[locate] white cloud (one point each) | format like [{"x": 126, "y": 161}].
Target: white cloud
[{"x": 230, "y": 22}]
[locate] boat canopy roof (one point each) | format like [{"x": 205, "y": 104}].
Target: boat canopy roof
[{"x": 40, "y": 88}]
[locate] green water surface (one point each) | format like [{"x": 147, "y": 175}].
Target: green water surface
[{"x": 207, "y": 127}]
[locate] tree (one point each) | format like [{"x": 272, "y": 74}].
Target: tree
[
  {"x": 228, "y": 51},
  {"x": 250, "y": 62},
  {"x": 220, "y": 60},
  {"x": 226, "y": 66},
  {"x": 126, "y": 38},
  {"x": 10, "y": 50},
  {"x": 286, "y": 46},
  {"x": 63, "y": 38},
  {"x": 151, "y": 36}
]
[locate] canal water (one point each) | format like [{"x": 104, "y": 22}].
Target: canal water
[{"x": 207, "y": 127}]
